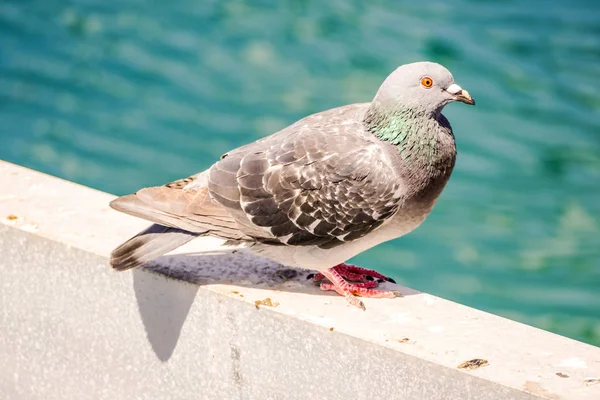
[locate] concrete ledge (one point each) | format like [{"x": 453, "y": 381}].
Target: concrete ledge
[{"x": 189, "y": 326}]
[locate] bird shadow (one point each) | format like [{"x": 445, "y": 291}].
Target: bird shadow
[{"x": 164, "y": 303}]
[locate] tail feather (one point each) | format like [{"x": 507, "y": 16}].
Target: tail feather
[
  {"x": 147, "y": 245},
  {"x": 219, "y": 223},
  {"x": 132, "y": 205}
]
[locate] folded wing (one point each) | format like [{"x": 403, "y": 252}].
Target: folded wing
[
  {"x": 310, "y": 184},
  {"x": 319, "y": 187}
]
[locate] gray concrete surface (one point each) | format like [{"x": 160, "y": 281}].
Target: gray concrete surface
[{"x": 188, "y": 327}]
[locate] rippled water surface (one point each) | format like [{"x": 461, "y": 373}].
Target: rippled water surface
[{"x": 123, "y": 94}]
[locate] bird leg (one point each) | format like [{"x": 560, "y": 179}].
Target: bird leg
[
  {"x": 354, "y": 273},
  {"x": 351, "y": 290}
]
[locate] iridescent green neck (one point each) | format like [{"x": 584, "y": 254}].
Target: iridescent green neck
[{"x": 412, "y": 131}]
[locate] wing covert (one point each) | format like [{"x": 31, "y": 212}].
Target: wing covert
[{"x": 313, "y": 188}]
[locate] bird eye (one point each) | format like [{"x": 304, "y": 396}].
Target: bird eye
[{"x": 426, "y": 82}]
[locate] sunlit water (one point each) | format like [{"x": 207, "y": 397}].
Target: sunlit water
[{"x": 123, "y": 94}]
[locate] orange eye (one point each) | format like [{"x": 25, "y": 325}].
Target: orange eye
[{"x": 427, "y": 82}]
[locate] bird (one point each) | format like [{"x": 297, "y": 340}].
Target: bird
[{"x": 320, "y": 191}]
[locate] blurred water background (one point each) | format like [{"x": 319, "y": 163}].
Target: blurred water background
[{"x": 122, "y": 94}]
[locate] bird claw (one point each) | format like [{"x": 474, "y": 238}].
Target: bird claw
[
  {"x": 364, "y": 288},
  {"x": 353, "y": 273}
]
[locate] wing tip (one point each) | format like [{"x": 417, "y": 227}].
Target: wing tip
[{"x": 120, "y": 203}]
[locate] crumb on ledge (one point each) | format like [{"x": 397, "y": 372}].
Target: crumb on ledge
[
  {"x": 591, "y": 381},
  {"x": 473, "y": 364},
  {"x": 266, "y": 302}
]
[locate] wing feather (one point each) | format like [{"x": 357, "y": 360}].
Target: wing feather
[{"x": 312, "y": 186}]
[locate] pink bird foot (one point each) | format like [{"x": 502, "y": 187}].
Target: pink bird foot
[
  {"x": 353, "y": 273},
  {"x": 366, "y": 277}
]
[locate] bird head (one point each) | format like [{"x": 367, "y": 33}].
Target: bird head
[{"x": 422, "y": 86}]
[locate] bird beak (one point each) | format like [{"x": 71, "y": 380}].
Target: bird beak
[{"x": 460, "y": 94}]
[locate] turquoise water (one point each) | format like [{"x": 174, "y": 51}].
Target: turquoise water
[{"x": 123, "y": 94}]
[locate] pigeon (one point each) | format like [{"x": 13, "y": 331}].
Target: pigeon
[{"x": 319, "y": 191}]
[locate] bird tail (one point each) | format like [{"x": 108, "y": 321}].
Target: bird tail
[{"x": 149, "y": 244}]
